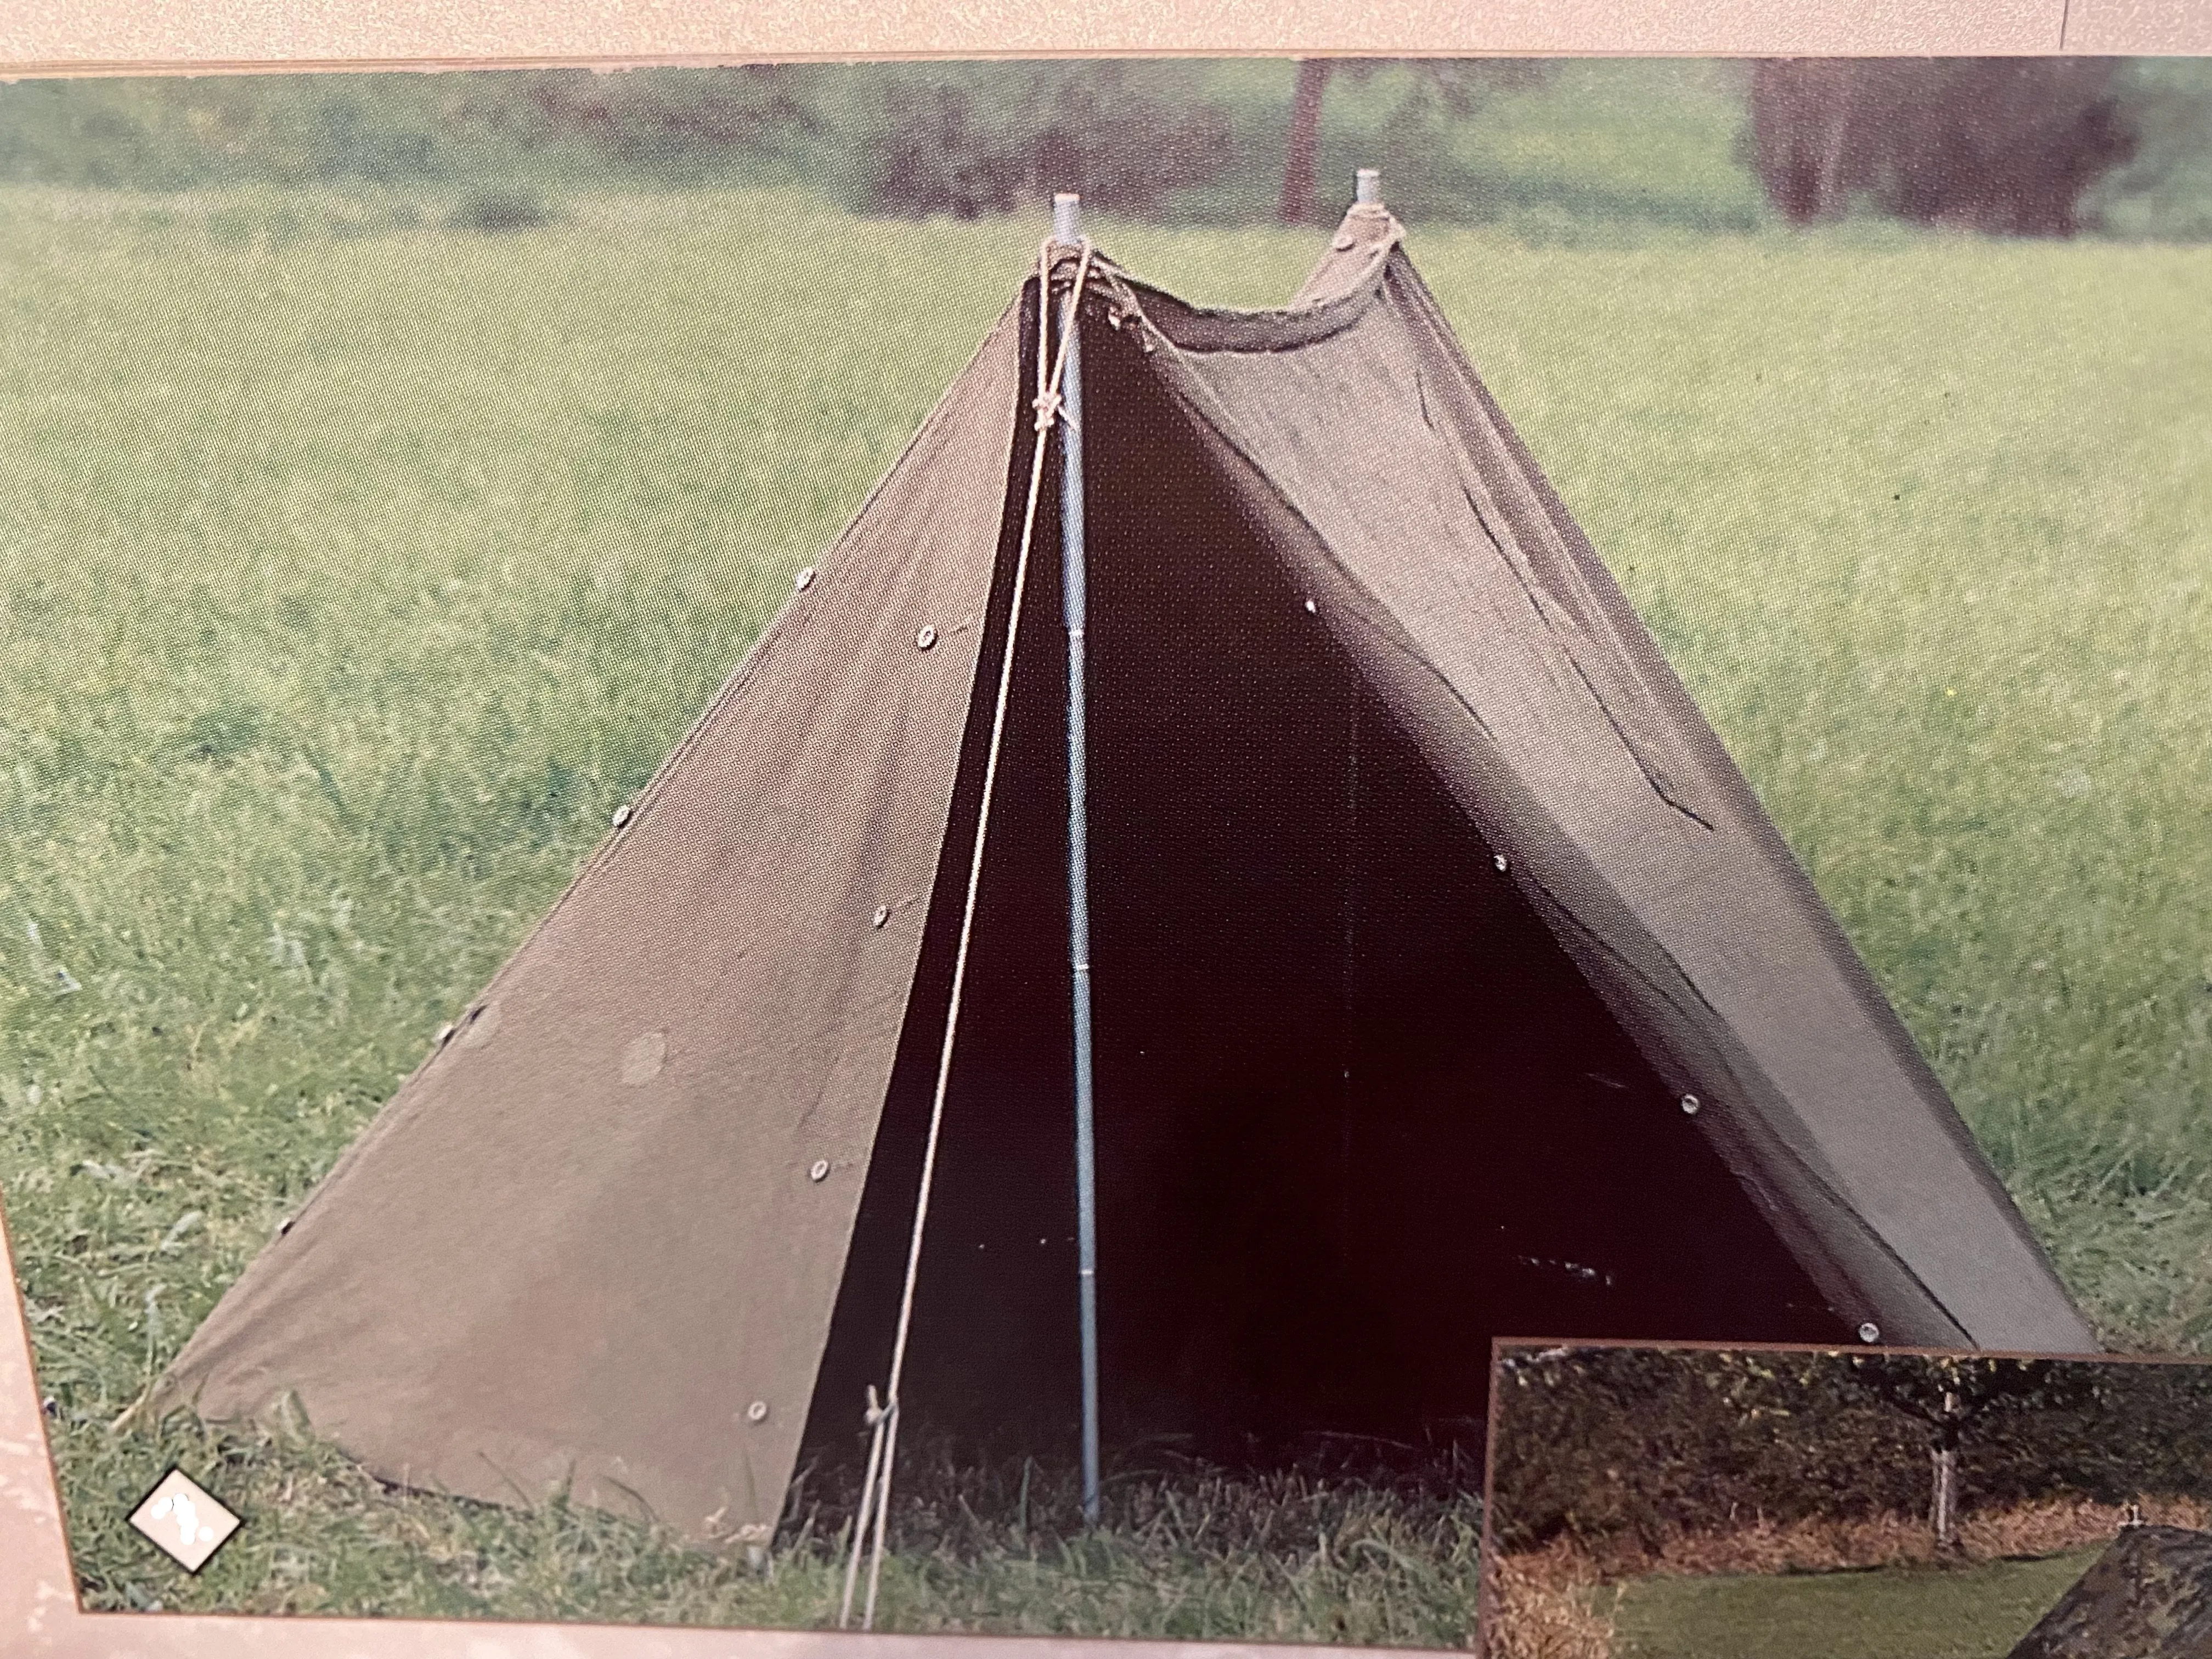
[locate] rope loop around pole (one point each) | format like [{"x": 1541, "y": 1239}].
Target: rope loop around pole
[{"x": 881, "y": 1416}]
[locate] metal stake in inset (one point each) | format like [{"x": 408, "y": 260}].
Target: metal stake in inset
[
  {"x": 1367, "y": 185},
  {"x": 1067, "y": 228}
]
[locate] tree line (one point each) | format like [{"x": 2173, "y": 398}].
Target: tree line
[
  {"x": 1640, "y": 1443},
  {"x": 2011, "y": 146}
]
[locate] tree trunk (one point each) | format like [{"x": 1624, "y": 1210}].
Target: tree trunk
[
  {"x": 1809, "y": 134},
  {"x": 1303, "y": 153},
  {"x": 1943, "y": 1504},
  {"x": 1781, "y": 153}
]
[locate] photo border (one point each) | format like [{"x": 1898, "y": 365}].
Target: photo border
[
  {"x": 41, "y": 1613},
  {"x": 124, "y": 37}
]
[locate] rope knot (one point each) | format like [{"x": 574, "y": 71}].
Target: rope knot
[{"x": 1047, "y": 404}]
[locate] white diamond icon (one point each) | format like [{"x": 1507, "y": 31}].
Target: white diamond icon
[{"x": 182, "y": 1521}]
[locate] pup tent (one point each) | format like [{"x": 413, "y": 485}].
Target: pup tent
[
  {"x": 2147, "y": 1596},
  {"x": 1449, "y": 982}
]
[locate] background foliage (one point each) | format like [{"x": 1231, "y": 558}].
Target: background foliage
[
  {"x": 1536, "y": 144},
  {"x": 1649, "y": 1443}
]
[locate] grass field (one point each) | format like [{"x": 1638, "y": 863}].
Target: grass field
[
  {"x": 355, "y": 569},
  {"x": 1903, "y": 1613}
]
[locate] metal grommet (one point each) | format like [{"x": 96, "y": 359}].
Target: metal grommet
[
  {"x": 1690, "y": 1104},
  {"x": 1498, "y": 859},
  {"x": 883, "y": 914},
  {"x": 758, "y": 1412},
  {"x": 820, "y": 1172},
  {"x": 1869, "y": 1332},
  {"x": 1342, "y": 242},
  {"x": 1311, "y": 609},
  {"x": 622, "y": 815},
  {"x": 927, "y": 638},
  {"x": 804, "y": 579}
]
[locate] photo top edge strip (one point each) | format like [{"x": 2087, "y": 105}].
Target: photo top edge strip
[
  {"x": 13, "y": 70},
  {"x": 94, "y": 40}
]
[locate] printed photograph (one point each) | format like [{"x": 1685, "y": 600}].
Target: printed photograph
[
  {"x": 888, "y": 846},
  {"x": 1649, "y": 1502}
]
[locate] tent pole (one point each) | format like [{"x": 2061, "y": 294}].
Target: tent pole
[
  {"x": 1367, "y": 185},
  {"x": 1074, "y": 580},
  {"x": 1068, "y": 229}
]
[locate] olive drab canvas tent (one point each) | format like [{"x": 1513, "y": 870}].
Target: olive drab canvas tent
[
  {"x": 1448, "y": 979},
  {"x": 2147, "y": 1596}
]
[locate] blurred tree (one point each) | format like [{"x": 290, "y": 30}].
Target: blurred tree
[
  {"x": 1951, "y": 1395},
  {"x": 970, "y": 138},
  {"x": 1302, "y": 153},
  {"x": 687, "y": 119},
  {"x": 2165, "y": 189},
  {"x": 2001, "y": 145}
]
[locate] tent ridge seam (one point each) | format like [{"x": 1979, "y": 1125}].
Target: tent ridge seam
[{"x": 1221, "y": 330}]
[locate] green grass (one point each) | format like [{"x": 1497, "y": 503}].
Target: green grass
[
  {"x": 997, "y": 1547},
  {"x": 357, "y": 563},
  {"x": 1903, "y": 1613}
]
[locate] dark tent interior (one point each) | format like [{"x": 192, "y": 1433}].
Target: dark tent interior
[{"x": 1357, "y": 1113}]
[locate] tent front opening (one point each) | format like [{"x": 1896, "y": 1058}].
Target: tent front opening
[{"x": 1358, "y": 1112}]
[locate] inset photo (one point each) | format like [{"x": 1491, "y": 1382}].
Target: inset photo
[{"x": 1746, "y": 1503}]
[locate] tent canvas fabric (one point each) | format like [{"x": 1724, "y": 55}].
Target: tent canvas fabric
[
  {"x": 1425, "y": 904},
  {"x": 2147, "y": 1596}
]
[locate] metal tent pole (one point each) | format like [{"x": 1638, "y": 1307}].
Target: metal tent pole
[
  {"x": 1367, "y": 185},
  {"x": 1068, "y": 229}
]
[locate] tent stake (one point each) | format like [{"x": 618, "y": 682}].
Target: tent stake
[{"x": 1067, "y": 228}]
